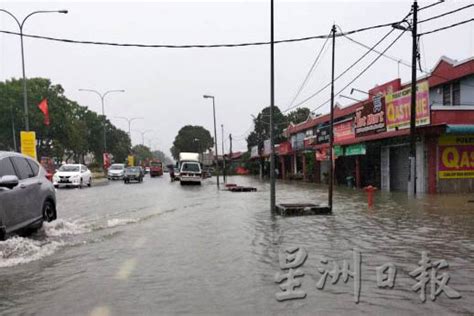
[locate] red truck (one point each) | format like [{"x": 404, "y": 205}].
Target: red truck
[{"x": 156, "y": 168}]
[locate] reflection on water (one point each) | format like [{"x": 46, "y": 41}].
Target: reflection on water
[{"x": 201, "y": 251}]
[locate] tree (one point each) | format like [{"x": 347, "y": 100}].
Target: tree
[
  {"x": 298, "y": 116},
  {"x": 74, "y": 130},
  {"x": 191, "y": 139},
  {"x": 158, "y": 154},
  {"x": 141, "y": 153},
  {"x": 261, "y": 130}
]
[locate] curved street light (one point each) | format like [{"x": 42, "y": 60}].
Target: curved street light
[
  {"x": 102, "y": 97},
  {"x": 143, "y": 134},
  {"x": 20, "y": 26},
  {"x": 129, "y": 121}
]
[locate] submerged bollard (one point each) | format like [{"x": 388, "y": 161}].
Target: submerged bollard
[{"x": 370, "y": 195}]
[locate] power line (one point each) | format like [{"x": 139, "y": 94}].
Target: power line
[
  {"x": 300, "y": 39},
  {"x": 446, "y": 13},
  {"x": 431, "y": 5},
  {"x": 343, "y": 73},
  {"x": 446, "y": 27},
  {"x": 404, "y": 63},
  {"x": 311, "y": 70},
  {"x": 365, "y": 69}
]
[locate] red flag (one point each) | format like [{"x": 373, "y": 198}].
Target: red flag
[{"x": 43, "y": 106}]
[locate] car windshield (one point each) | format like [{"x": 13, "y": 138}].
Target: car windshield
[
  {"x": 192, "y": 167},
  {"x": 132, "y": 170},
  {"x": 155, "y": 164},
  {"x": 116, "y": 167},
  {"x": 69, "y": 168}
]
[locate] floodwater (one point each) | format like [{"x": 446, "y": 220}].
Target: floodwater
[{"x": 162, "y": 248}]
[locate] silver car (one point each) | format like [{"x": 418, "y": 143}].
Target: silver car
[{"x": 27, "y": 197}]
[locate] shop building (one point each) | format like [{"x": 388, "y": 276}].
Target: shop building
[{"x": 372, "y": 137}]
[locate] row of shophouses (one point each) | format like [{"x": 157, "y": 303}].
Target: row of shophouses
[{"x": 371, "y": 137}]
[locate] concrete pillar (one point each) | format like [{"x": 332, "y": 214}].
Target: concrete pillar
[
  {"x": 432, "y": 153},
  {"x": 295, "y": 164},
  {"x": 317, "y": 171},
  {"x": 305, "y": 176},
  {"x": 283, "y": 167},
  {"x": 357, "y": 171}
]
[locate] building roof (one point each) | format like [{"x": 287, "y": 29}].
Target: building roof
[{"x": 445, "y": 70}]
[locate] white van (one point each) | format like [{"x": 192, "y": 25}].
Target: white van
[{"x": 190, "y": 172}]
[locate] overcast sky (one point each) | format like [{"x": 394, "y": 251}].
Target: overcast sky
[{"x": 165, "y": 86}]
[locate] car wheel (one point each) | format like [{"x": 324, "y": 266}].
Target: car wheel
[
  {"x": 49, "y": 211},
  {"x": 90, "y": 182},
  {"x": 80, "y": 184}
]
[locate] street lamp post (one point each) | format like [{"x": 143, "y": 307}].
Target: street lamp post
[
  {"x": 143, "y": 134},
  {"x": 215, "y": 133},
  {"x": 102, "y": 97},
  {"x": 21, "y": 25},
  {"x": 223, "y": 153},
  {"x": 129, "y": 121}
]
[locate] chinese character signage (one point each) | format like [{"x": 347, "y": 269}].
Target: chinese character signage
[
  {"x": 131, "y": 160},
  {"x": 344, "y": 131},
  {"x": 398, "y": 105},
  {"x": 456, "y": 157},
  {"x": 28, "y": 144},
  {"x": 429, "y": 278},
  {"x": 267, "y": 148},
  {"x": 370, "y": 118}
]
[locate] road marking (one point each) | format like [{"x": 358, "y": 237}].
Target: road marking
[
  {"x": 100, "y": 311},
  {"x": 139, "y": 242},
  {"x": 126, "y": 269}
]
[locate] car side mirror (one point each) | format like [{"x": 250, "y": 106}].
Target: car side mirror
[{"x": 8, "y": 182}]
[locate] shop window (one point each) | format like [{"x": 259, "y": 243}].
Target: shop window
[
  {"x": 452, "y": 93},
  {"x": 447, "y": 94},
  {"x": 456, "y": 93}
]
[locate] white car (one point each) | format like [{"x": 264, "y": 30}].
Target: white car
[
  {"x": 190, "y": 172},
  {"x": 116, "y": 171},
  {"x": 72, "y": 175}
]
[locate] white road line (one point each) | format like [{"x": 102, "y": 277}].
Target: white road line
[
  {"x": 126, "y": 269},
  {"x": 100, "y": 311}
]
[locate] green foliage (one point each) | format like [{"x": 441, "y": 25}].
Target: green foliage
[
  {"x": 141, "y": 153},
  {"x": 158, "y": 154},
  {"x": 297, "y": 116},
  {"x": 261, "y": 130},
  {"x": 191, "y": 139},
  {"x": 74, "y": 131}
]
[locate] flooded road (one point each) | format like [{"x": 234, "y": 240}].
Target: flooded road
[{"x": 162, "y": 248}]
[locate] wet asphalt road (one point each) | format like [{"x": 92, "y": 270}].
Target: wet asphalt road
[{"x": 161, "y": 248}]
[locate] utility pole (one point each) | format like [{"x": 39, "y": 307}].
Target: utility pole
[
  {"x": 13, "y": 127},
  {"x": 331, "y": 136},
  {"x": 412, "y": 158},
  {"x": 215, "y": 135},
  {"x": 230, "y": 147},
  {"x": 272, "y": 104},
  {"x": 223, "y": 152}
]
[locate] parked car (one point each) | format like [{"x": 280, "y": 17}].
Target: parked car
[
  {"x": 76, "y": 175},
  {"x": 190, "y": 172},
  {"x": 27, "y": 197},
  {"x": 133, "y": 174},
  {"x": 116, "y": 171}
]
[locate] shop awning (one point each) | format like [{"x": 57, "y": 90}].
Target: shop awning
[{"x": 460, "y": 129}]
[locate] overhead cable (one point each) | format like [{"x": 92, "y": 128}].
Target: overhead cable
[
  {"x": 364, "y": 70},
  {"x": 446, "y": 13},
  {"x": 446, "y": 27},
  {"x": 300, "y": 39},
  {"x": 311, "y": 70}
]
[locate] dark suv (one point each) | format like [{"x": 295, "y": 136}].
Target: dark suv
[{"x": 27, "y": 197}]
